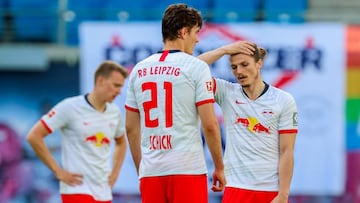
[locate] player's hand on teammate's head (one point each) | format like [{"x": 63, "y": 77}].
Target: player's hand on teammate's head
[{"x": 244, "y": 47}]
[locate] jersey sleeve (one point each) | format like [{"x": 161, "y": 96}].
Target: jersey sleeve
[
  {"x": 57, "y": 117},
  {"x": 130, "y": 102},
  {"x": 288, "y": 118},
  {"x": 219, "y": 90},
  {"x": 203, "y": 85},
  {"x": 120, "y": 129}
]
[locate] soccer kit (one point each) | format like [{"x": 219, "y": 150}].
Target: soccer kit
[
  {"x": 86, "y": 136},
  {"x": 252, "y": 129},
  {"x": 166, "y": 89}
]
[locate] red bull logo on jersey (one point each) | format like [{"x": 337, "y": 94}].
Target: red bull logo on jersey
[
  {"x": 253, "y": 125},
  {"x": 99, "y": 139}
]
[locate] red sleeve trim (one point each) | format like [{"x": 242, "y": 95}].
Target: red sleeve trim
[
  {"x": 205, "y": 102},
  {"x": 288, "y": 131},
  {"x": 214, "y": 82},
  {"x": 46, "y": 126},
  {"x": 131, "y": 109}
]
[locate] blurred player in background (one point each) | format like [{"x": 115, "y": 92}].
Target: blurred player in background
[
  {"x": 88, "y": 124},
  {"x": 15, "y": 174},
  {"x": 167, "y": 94},
  {"x": 261, "y": 126}
]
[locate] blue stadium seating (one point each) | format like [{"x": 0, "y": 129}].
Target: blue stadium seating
[
  {"x": 34, "y": 20},
  {"x": 235, "y": 10},
  {"x": 2, "y": 12},
  {"x": 285, "y": 11},
  {"x": 156, "y": 10},
  {"x": 82, "y": 10},
  {"x": 37, "y": 20},
  {"x": 125, "y": 10}
]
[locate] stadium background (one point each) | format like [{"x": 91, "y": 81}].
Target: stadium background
[{"x": 41, "y": 62}]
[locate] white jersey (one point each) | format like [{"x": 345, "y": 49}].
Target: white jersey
[
  {"x": 86, "y": 136},
  {"x": 166, "y": 89},
  {"x": 252, "y": 131}
]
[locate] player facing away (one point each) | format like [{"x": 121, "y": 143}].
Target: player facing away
[
  {"x": 88, "y": 124},
  {"x": 167, "y": 94},
  {"x": 261, "y": 126}
]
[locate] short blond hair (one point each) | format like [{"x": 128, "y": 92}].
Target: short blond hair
[{"x": 107, "y": 67}]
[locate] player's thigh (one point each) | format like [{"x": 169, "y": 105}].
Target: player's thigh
[
  {"x": 152, "y": 189},
  {"x": 189, "y": 188},
  {"x": 83, "y": 198},
  {"x": 234, "y": 195}
]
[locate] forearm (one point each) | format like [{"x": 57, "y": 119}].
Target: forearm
[
  {"x": 44, "y": 154},
  {"x": 133, "y": 133},
  {"x": 213, "y": 140},
  {"x": 135, "y": 149},
  {"x": 211, "y": 56},
  {"x": 236, "y": 47},
  {"x": 118, "y": 158},
  {"x": 286, "y": 166}
]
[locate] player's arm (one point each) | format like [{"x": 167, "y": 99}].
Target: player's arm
[
  {"x": 118, "y": 159},
  {"x": 236, "y": 47},
  {"x": 36, "y": 138},
  {"x": 286, "y": 166},
  {"x": 134, "y": 136},
  {"x": 212, "y": 134}
]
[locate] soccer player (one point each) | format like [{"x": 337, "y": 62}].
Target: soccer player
[
  {"x": 261, "y": 126},
  {"x": 167, "y": 93},
  {"x": 88, "y": 124}
]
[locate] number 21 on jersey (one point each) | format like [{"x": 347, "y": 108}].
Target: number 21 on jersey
[{"x": 153, "y": 103}]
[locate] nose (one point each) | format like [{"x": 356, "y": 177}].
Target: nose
[
  {"x": 197, "y": 39},
  {"x": 118, "y": 90},
  {"x": 239, "y": 69}
]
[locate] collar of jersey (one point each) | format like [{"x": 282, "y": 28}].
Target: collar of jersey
[
  {"x": 262, "y": 93},
  {"x": 170, "y": 51},
  {"x": 87, "y": 100}
]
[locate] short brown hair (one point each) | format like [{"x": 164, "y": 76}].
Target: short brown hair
[
  {"x": 258, "y": 54},
  {"x": 107, "y": 67},
  {"x": 178, "y": 16}
]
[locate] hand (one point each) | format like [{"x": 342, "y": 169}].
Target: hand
[
  {"x": 243, "y": 47},
  {"x": 280, "y": 199},
  {"x": 112, "y": 179},
  {"x": 72, "y": 179},
  {"x": 219, "y": 181}
]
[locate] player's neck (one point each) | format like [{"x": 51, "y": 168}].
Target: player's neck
[
  {"x": 174, "y": 45},
  {"x": 95, "y": 101},
  {"x": 255, "y": 91}
]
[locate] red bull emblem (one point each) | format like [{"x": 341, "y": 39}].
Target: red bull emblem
[
  {"x": 99, "y": 139},
  {"x": 253, "y": 125}
]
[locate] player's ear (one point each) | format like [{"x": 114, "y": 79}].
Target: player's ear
[
  {"x": 259, "y": 64},
  {"x": 182, "y": 32},
  {"x": 99, "y": 80}
]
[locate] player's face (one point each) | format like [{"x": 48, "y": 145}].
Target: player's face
[
  {"x": 245, "y": 69},
  {"x": 112, "y": 86},
  {"x": 191, "y": 38}
]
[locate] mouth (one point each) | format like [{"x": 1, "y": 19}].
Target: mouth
[{"x": 241, "y": 78}]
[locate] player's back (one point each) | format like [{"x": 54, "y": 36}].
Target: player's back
[{"x": 167, "y": 87}]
